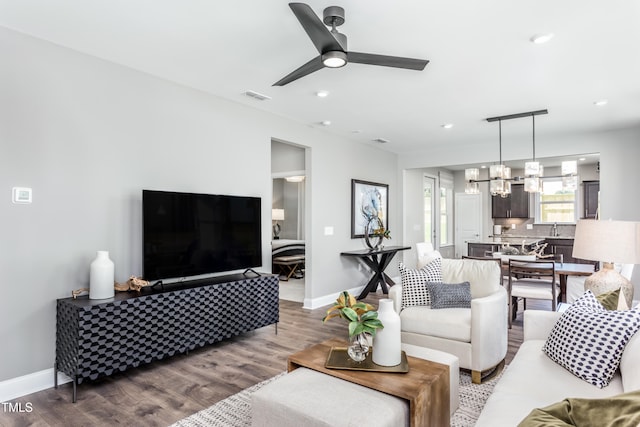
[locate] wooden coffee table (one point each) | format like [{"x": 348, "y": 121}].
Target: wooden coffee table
[{"x": 425, "y": 386}]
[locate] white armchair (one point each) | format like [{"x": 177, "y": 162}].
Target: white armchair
[{"x": 476, "y": 335}]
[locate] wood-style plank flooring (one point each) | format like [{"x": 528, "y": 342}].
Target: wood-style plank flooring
[{"x": 165, "y": 391}]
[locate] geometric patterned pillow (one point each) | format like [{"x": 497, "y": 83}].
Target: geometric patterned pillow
[
  {"x": 445, "y": 295},
  {"x": 588, "y": 340},
  {"x": 414, "y": 283}
]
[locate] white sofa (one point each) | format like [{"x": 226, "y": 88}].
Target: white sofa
[
  {"x": 476, "y": 335},
  {"x": 532, "y": 380}
]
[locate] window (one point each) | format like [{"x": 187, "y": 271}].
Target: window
[
  {"x": 446, "y": 209},
  {"x": 429, "y": 183},
  {"x": 554, "y": 204}
]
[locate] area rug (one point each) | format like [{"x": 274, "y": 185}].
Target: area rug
[{"x": 235, "y": 411}]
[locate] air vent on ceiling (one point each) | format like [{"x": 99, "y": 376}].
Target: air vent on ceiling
[
  {"x": 381, "y": 140},
  {"x": 256, "y": 95}
]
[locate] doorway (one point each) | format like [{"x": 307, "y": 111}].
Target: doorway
[
  {"x": 468, "y": 208},
  {"x": 289, "y": 181}
]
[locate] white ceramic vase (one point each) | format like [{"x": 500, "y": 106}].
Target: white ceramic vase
[
  {"x": 387, "y": 349},
  {"x": 101, "y": 277}
]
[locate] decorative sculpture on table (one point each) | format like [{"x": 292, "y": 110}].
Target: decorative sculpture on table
[{"x": 375, "y": 233}]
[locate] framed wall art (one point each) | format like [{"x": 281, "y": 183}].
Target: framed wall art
[{"x": 368, "y": 200}]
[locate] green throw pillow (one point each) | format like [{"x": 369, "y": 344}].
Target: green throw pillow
[
  {"x": 622, "y": 410},
  {"x": 609, "y": 300}
]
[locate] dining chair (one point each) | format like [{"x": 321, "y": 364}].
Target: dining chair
[{"x": 531, "y": 279}]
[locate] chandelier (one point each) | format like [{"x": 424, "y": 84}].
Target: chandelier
[{"x": 500, "y": 175}]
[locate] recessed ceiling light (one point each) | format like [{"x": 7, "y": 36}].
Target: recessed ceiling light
[
  {"x": 582, "y": 159},
  {"x": 483, "y": 167},
  {"x": 447, "y": 125},
  {"x": 322, "y": 94},
  {"x": 541, "y": 38},
  {"x": 326, "y": 123},
  {"x": 601, "y": 102}
]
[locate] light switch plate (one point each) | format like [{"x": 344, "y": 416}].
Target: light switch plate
[
  {"x": 328, "y": 231},
  {"x": 22, "y": 195}
]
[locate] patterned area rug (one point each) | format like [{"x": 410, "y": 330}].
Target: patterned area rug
[{"x": 235, "y": 411}]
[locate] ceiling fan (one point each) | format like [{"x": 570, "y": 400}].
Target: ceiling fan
[{"x": 332, "y": 45}]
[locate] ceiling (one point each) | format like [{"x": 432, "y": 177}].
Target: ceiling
[{"x": 482, "y": 63}]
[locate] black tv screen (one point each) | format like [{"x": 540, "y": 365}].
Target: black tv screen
[{"x": 187, "y": 234}]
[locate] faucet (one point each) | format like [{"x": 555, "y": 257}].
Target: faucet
[{"x": 554, "y": 230}]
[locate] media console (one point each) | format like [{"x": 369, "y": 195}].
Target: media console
[{"x": 96, "y": 338}]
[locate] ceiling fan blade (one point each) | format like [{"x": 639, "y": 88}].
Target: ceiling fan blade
[
  {"x": 314, "y": 65},
  {"x": 387, "y": 61},
  {"x": 316, "y": 30}
]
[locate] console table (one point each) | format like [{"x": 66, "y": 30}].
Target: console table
[
  {"x": 377, "y": 260},
  {"x": 96, "y": 338}
]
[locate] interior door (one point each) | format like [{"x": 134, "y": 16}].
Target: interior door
[
  {"x": 430, "y": 194},
  {"x": 468, "y": 221}
]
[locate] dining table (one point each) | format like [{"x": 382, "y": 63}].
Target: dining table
[
  {"x": 566, "y": 269},
  {"x": 563, "y": 270}
]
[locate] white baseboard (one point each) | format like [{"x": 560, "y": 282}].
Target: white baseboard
[
  {"x": 30, "y": 383},
  {"x": 328, "y": 299}
]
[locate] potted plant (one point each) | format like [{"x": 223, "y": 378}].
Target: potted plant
[{"x": 363, "y": 322}]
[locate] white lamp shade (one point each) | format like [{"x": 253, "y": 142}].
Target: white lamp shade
[
  {"x": 607, "y": 241},
  {"x": 507, "y": 172},
  {"x": 472, "y": 174},
  {"x": 570, "y": 183},
  {"x": 569, "y": 167},
  {"x": 532, "y": 169},
  {"x": 472, "y": 188},
  {"x": 277, "y": 214},
  {"x": 532, "y": 184},
  {"x": 497, "y": 186},
  {"x": 496, "y": 171}
]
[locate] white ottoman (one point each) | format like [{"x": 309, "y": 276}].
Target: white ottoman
[
  {"x": 445, "y": 359},
  {"x": 308, "y": 398}
]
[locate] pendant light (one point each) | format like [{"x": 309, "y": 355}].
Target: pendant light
[
  {"x": 570, "y": 175},
  {"x": 533, "y": 170},
  {"x": 500, "y": 174},
  {"x": 472, "y": 175}
]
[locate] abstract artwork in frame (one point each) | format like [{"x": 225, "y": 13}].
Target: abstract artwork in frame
[{"x": 368, "y": 200}]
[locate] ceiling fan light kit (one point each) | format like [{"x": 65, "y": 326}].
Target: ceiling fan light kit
[
  {"x": 334, "y": 59},
  {"x": 332, "y": 45}
]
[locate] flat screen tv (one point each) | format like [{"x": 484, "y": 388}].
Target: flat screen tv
[{"x": 187, "y": 234}]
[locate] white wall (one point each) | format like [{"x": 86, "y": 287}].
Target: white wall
[{"x": 88, "y": 135}]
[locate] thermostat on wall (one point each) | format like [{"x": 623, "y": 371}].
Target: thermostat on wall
[{"x": 22, "y": 195}]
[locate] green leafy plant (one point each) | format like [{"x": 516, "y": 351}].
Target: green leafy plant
[{"x": 361, "y": 316}]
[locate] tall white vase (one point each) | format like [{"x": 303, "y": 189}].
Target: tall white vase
[
  {"x": 387, "y": 349},
  {"x": 101, "y": 277}
]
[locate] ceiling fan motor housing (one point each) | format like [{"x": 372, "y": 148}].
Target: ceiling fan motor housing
[{"x": 333, "y": 15}]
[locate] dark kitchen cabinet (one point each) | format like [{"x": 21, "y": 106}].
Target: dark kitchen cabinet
[
  {"x": 482, "y": 249},
  {"x": 563, "y": 247},
  {"x": 591, "y": 195},
  {"x": 515, "y": 205}
]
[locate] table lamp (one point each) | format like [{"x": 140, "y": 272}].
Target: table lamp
[
  {"x": 609, "y": 242},
  {"x": 277, "y": 215}
]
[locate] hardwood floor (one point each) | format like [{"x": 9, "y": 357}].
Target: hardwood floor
[{"x": 165, "y": 391}]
